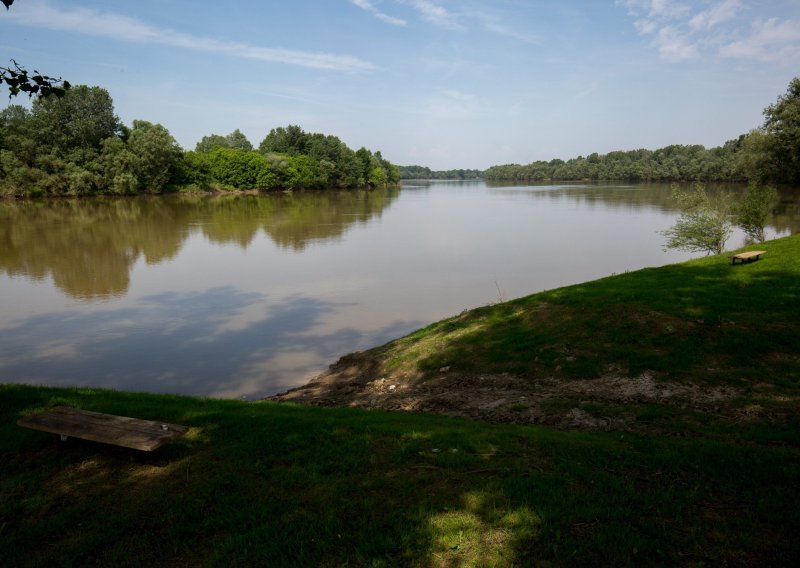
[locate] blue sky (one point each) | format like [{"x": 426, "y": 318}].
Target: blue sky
[{"x": 442, "y": 83}]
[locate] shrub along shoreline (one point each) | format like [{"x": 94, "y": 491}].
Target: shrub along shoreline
[{"x": 672, "y": 479}]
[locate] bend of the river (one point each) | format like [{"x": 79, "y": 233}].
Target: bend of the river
[{"x": 248, "y": 295}]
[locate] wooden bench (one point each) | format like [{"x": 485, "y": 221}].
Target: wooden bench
[
  {"x": 145, "y": 435},
  {"x": 747, "y": 256}
]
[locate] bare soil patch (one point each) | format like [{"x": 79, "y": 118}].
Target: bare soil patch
[{"x": 355, "y": 381}]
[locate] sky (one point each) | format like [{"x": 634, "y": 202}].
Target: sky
[{"x": 440, "y": 83}]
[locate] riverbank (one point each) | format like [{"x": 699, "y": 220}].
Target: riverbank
[
  {"x": 663, "y": 350},
  {"x": 691, "y": 369}
]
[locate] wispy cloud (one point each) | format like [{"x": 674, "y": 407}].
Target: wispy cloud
[
  {"x": 370, "y": 7},
  {"x": 124, "y": 28},
  {"x": 656, "y": 9},
  {"x": 769, "y": 40},
  {"x": 722, "y": 12},
  {"x": 435, "y": 14},
  {"x": 681, "y": 33},
  {"x": 495, "y": 24},
  {"x": 674, "y": 46}
]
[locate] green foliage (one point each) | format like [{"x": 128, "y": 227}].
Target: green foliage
[
  {"x": 290, "y": 158},
  {"x": 234, "y": 141},
  {"x": 76, "y": 145},
  {"x": 671, "y": 163},
  {"x": 156, "y": 152},
  {"x": 782, "y": 127},
  {"x": 753, "y": 211},
  {"x": 289, "y": 140},
  {"x": 75, "y": 125},
  {"x": 703, "y": 225},
  {"x": 238, "y": 141},
  {"x": 422, "y": 172},
  {"x": 211, "y": 142},
  {"x": 768, "y": 153},
  {"x": 20, "y": 81},
  {"x": 755, "y": 158},
  {"x": 238, "y": 169}
]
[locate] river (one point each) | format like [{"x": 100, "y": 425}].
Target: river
[{"x": 247, "y": 295}]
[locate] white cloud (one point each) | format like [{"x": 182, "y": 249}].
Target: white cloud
[
  {"x": 434, "y": 13},
  {"x": 681, "y": 34},
  {"x": 769, "y": 40},
  {"x": 655, "y": 9},
  {"x": 667, "y": 9},
  {"x": 724, "y": 11},
  {"x": 674, "y": 46},
  {"x": 645, "y": 27},
  {"x": 124, "y": 28},
  {"x": 370, "y": 7}
]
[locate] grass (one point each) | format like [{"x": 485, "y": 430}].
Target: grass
[
  {"x": 284, "y": 485},
  {"x": 260, "y": 483},
  {"x": 701, "y": 319}
]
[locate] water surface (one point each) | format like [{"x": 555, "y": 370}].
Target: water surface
[{"x": 248, "y": 295}]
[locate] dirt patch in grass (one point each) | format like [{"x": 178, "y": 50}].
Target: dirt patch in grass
[{"x": 574, "y": 404}]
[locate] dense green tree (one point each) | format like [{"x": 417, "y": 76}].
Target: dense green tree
[
  {"x": 289, "y": 140},
  {"x": 75, "y": 125},
  {"x": 76, "y": 145},
  {"x": 782, "y": 127},
  {"x": 144, "y": 163},
  {"x": 422, "y": 172},
  {"x": 156, "y": 152},
  {"x": 211, "y": 142},
  {"x": 239, "y": 169},
  {"x": 235, "y": 141},
  {"x": 238, "y": 141}
]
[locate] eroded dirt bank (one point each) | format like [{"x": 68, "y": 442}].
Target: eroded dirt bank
[{"x": 608, "y": 402}]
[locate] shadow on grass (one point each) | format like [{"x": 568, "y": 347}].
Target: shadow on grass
[{"x": 283, "y": 485}]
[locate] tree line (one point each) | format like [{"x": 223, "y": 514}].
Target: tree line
[
  {"x": 74, "y": 144},
  {"x": 423, "y": 172},
  {"x": 769, "y": 153}
]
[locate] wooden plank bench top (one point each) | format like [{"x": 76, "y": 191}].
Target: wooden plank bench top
[
  {"x": 145, "y": 435},
  {"x": 748, "y": 256}
]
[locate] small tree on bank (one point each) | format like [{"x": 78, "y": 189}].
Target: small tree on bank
[
  {"x": 703, "y": 225},
  {"x": 754, "y": 210}
]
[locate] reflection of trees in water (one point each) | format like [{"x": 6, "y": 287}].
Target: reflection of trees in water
[
  {"x": 300, "y": 219},
  {"x": 786, "y": 215},
  {"x": 292, "y": 220},
  {"x": 88, "y": 246}
]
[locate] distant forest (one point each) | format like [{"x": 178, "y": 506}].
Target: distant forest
[
  {"x": 769, "y": 153},
  {"x": 74, "y": 144},
  {"x": 422, "y": 172}
]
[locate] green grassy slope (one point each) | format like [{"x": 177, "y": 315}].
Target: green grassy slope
[
  {"x": 283, "y": 485},
  {"x": 700, "y": 320}
]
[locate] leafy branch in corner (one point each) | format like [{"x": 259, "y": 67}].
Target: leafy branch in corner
[{"x": 19, "y": 81}]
